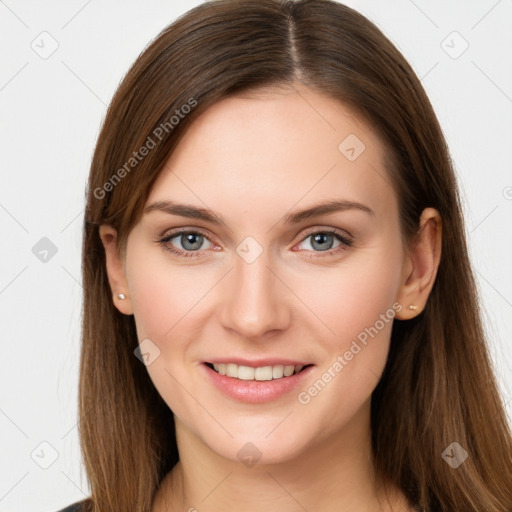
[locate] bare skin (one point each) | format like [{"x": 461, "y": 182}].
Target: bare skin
[{"x": 254, "y": 160}]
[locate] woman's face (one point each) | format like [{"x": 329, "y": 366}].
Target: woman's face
[{"x": 267, "y": 286}]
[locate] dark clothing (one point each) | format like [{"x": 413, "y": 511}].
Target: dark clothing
[{"x": 79, "y": 506}]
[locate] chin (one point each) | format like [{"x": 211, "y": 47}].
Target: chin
[{"x": 251, "y": 450}]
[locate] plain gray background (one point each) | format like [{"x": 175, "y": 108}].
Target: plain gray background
[{"x": 51, "y": 108}]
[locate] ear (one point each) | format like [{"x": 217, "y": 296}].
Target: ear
[
  {"x": 115, "y": 263},
  {"x": 420, "y": 265}
]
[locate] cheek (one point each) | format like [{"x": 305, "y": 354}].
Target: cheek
[
  {"x": 357, "y": 307},
  {"x": 350, "y": 298},
  {"x": 163, "y": 295},
  {"x": 163, "y": 298}
]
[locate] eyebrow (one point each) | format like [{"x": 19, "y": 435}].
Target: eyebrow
[{"x": 206, "y": 215}]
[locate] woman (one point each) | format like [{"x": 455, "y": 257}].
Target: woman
[{"x": 279, "y": 308}]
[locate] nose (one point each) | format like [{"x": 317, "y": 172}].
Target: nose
[{"x": 255, "y": 299}]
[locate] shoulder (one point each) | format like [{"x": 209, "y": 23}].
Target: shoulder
[{"x": 79, "y": 506}]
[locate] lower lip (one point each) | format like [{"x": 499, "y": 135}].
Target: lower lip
[{"x": 256, "y": 391}]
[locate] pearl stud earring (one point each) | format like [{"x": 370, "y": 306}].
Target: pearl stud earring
[
  {"x": 121, "y": 296},
  {"x": 413, "y": 307}
]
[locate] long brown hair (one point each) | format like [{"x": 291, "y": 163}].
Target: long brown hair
[{"x": 438, "y": 386}]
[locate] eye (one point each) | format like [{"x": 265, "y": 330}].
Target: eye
[
  {"x": 190, "y": 241},
  {"x": 324, "y": 241}
]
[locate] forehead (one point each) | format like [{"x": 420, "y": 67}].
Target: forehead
[{"x": 271, "y": 150}]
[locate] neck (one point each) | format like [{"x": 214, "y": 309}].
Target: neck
[{"x": 334, "y": 474}]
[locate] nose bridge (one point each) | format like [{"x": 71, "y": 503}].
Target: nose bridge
[{"x": 255, "y": 304}]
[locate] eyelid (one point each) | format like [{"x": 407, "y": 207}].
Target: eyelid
[
  {"x": 314, "y": 229},
  {"x": 168, "y": 235},
  {"x": 185, "y": 229},
  {"x": 346, "y": 242},
  {"x": 327, "y": 229}
]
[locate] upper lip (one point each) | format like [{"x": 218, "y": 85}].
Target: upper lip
[{"x": 257, "y": 363}]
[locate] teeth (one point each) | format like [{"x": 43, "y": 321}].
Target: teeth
[
  {"x": 288, "y": 370},
  {"x": 245, "y": 373},
  {"x": 277, "y": 371},
  {"x": 232, "y": 370},
  {"x": 261, "y": 373}
]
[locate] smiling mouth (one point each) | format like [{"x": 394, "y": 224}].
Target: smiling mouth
[{"x": 262, "y": 373}]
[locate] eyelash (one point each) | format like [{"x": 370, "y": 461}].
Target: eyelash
[{"x": 345, "y": 242}]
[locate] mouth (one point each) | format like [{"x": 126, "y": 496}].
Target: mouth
[
  {"x": 264, "y": 381},
  {"x": 259, "y": 373}
]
